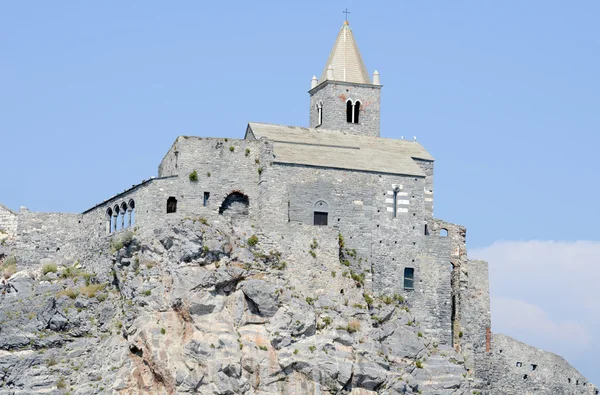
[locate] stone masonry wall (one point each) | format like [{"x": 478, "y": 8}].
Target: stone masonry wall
[
  {"x": 46, "y": 236},
  {"x": 223, "y": 166},
  {"x": 8, "y": 221},
  {"x": 334, "y": 95},
  {"x": 476, "y": 319},
  {"x": 522, "y": 369},
  {"x": 376, "y": 244},
  {"x": 427, "y": 167}
]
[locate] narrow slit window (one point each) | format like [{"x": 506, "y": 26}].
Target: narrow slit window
[
  {"x": 356, "y": 111},
  {"x": 206, "y": 197},
  {"x": 409, "y": 278},
  {"x": 171, "y": 205},
  {"x": 349, "y": 108},
  {"x": 395, "y": 203},
  {"x": 320, "y": 218}
]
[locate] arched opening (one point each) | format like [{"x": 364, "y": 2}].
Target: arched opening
[
  {"x": 171, "y": 205},
  {"x": 356, "y": 111},
  {"x": 116, "y": 211},
  {"x": 319, "y": 113},
  {"x": 131, "y": 205},
  {"x": 235, "y": 204},
  {"x": 349, "y": 111},
  {"x": 123, "y": 215},
  {"x": 444, "y": 232},
  {"x": 321, "y": 213},
  {"x": 109, "y": 216}
]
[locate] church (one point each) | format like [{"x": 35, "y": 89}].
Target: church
[{"x": 367, "y": 200}]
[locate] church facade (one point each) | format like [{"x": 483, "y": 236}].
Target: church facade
[{"x": 367, "y": 200}]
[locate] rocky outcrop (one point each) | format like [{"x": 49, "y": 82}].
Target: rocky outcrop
[{"x": 202, "y": 308}]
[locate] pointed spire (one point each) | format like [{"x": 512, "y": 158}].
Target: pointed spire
[
  {"x": 345, "y": 60},
  {"x": 313, "y": 82}
]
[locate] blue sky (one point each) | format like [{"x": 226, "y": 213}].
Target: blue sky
[{"x": 505, "y": 95}]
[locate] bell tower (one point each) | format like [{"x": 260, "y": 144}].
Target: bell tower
[{"x": 345, "y": 98}]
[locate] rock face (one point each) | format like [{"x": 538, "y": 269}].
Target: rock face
[{"x": 193, "y": 308}]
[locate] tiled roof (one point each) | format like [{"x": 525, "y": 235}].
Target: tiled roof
[
  {"x": 345, "y": 59},
  {"x": 326, "y": 148}
]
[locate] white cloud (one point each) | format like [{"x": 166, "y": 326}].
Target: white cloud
[
  {"x": 545, "y": 293},
  {"x": 525, "y": 319}
]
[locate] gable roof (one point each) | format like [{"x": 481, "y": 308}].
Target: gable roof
[
  {"x": 332, "y": 149},
  {"x": 345, "y": 59}
]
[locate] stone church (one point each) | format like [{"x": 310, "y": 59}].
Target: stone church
[{"x": 369, "y": 198}]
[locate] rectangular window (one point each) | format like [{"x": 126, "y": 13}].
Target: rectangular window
[
  {"x": 320, "y": 218},
  {"x": 409, "y": 278},
  {"x": 206, "y": 196}
]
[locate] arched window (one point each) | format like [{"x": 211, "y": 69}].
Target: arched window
[
  {"x": 123, "y": 215},
  {"x": 171, "y": 205},
  {"x": 319, "y": 113},
  {"x": 349, "y": 108},
  {"x": 356, "y": 112},
  {"x": 109, "y": 216},
  {"x": 116, "y": 211},
  {"x": 131, "y": 210},
  {"x": 395, "y": 209},
  {"x": 235, "y": 204},
  {"x": 444, "y": 232}
]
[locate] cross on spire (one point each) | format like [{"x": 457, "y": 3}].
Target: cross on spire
[{"x": 346, "y": 12}]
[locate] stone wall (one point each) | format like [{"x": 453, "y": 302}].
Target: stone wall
[
  {"x": 222, "y": 166},
  {"x": 377, "y": 245},
  {"x": 522, "y": 369},
  {"x": 334, "y": 94},
  {"x": 427, "y": 167},
  {"x": 8, "y": 221},
  {"x": 475, "y": 319},
  {"x": 47, "y": 236}
]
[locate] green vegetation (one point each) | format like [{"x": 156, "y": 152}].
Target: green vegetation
[
  {"x": 264, "y": 348},
  {"x": 247, "y": 152},
  {"x": 341, "y": 241},
  {"x": 194, "y": 176},
  {"x": 353, "y": 326},
  {"x": 260, "y": 170},
  {"x": 312, "y": 348},
  {"x": 61, "y": 384},
  {"x": 419, "y": 364},
  {"x": 327, "y": 320},
  {"x": 208, "y": 174},
  {"x": 101, "y": 297},
  {"x": 49, "y": 268},
  {"x": 252, "y": 241},
  {"x": 9, "y": 267},
  {"x": 310, "y": 301},
  {"x": 368, "y": 298},
  {"x": 359, "y": 278},
  {"x": 232, "y": 148},
  {"x": 147, "y": 292},
  {"x": 295, "y": 351},
  {"x": 419, "y": 334},
  {"x": 123, "y": 241},
  {"x": 333, "y": 273},
  {"x": 460, "y": 334}
]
